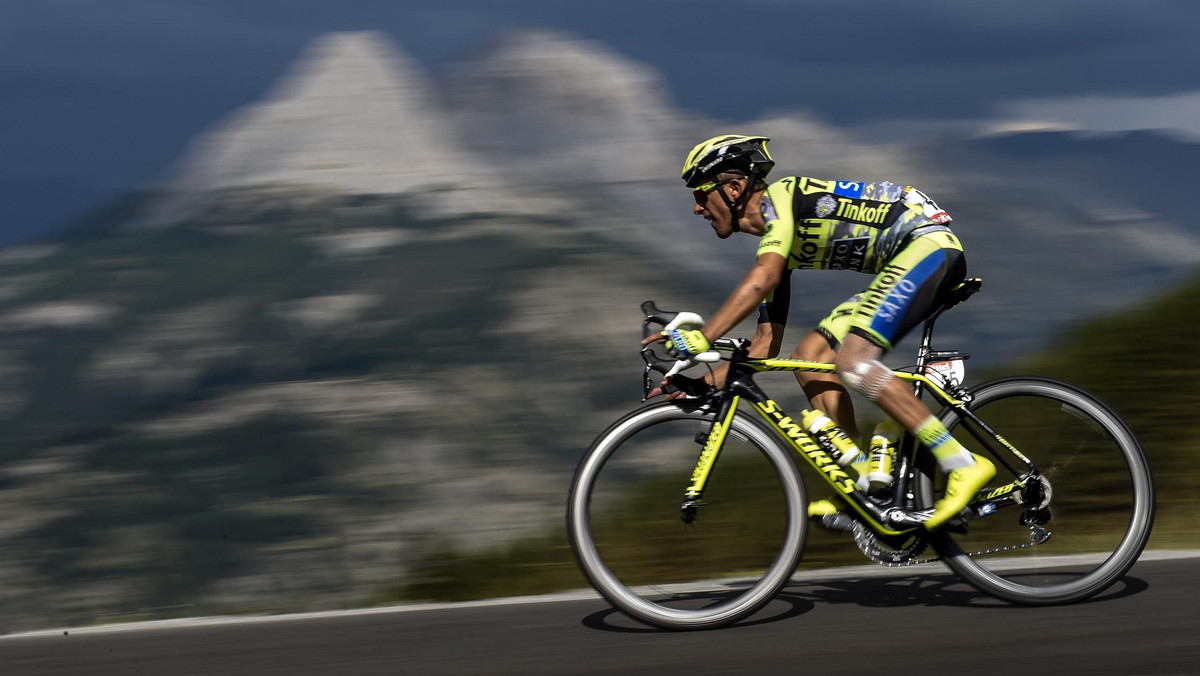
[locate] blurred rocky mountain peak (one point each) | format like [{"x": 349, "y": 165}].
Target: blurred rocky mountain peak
[
  {"x": 573, "y": 109},
  {"x": 353, "y": 114},
  {"x": 353, "y": 111},
  {"x": 540, "y": 123}
]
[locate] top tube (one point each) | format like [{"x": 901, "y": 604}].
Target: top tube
[{"x": 763, "y": 365}]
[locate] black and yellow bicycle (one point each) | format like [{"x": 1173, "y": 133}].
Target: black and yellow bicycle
[{"x": 1068, "y": 514}]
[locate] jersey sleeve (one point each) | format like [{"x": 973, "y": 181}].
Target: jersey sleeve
[
  {"x": 777, "y": 237},
  {"x": 777, "y": 213}
]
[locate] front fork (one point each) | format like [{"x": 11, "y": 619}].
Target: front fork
[{"x": 713, "y": 441}]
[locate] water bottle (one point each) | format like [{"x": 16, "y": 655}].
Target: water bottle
[
  {"x": 882, "y": 454},
  {"x": 827, "y": 432}
]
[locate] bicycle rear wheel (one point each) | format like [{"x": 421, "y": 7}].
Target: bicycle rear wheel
[
  {"x": 625, "y": 526},
  {"x": 1098, "y": 489}
]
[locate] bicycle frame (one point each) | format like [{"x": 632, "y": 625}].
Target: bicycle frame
[
  {"x": 740, "y": 385},
  {"x": 890, "y": 517}
]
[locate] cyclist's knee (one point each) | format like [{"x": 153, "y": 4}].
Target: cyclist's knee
[{"x": 858, "y": 365}]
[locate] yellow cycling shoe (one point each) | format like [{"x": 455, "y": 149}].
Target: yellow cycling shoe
[
  {"x": 961, "y": 486},
  {"x": 818, "y": 508}
]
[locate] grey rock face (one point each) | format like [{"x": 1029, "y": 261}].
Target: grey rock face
[
  {"x": 568, "y": 109},
  {"x": 353, "y": 113}
]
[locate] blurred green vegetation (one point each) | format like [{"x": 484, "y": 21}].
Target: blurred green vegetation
[{"x": 1145, "y": 365}]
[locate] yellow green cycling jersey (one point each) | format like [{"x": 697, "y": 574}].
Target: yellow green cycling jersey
[{"x": 819, "y": 224}]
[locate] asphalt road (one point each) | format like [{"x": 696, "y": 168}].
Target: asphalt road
[{"x": 903, "y": 623}]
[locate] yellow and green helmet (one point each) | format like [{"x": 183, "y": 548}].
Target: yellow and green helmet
[{"x": 747, "y": 154}]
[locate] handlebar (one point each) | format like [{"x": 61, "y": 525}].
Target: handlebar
[
  {"x": 669, "y": 366},
  {"x": 653, "y": 315}
]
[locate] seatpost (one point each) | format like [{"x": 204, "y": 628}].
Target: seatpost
[{"x": 926, "y": 348}]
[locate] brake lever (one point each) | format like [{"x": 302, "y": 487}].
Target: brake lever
[
  {"x": 669, "y": 367},
  {"x": 653, "y": 315}
]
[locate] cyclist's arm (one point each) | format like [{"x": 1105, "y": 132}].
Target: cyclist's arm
[
  {"x": 763, "y": 278},
  {"x": 765, "y": 344},
  {"x": 772, "y": 319},
  {"x": 767, "y": 341},
  {"x": 769, "y": 274}
]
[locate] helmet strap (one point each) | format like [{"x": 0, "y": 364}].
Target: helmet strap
[{"x": 733, "y": 205}]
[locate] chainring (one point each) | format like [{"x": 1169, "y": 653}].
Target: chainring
[{"x": 884, "y": 553}]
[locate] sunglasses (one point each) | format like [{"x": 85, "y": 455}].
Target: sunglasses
[{"x": 709, "y": 187}]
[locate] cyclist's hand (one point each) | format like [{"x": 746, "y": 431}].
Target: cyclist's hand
[
  {"x": 654, "y": 338},
  {"x": 682, "y": 320},
  {"x": 685, "y": 343},
  {"x": 681, "y": 387}
]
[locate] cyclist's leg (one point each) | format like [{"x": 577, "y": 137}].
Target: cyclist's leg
[
  {"x": 825, "y": 391},
  {"x": 905, "y": 293}
]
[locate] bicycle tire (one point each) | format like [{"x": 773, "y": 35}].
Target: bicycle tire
[
  {"x": 658, "y": 604},
  {"x": 1101, "y": 504}
]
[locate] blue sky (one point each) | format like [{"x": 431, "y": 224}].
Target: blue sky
[{"x": 101, "y": 96}]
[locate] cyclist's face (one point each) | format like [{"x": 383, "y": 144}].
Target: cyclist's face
[{"x": 711, "y": 206}]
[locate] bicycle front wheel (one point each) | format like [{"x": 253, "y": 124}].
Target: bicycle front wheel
[
  {"x": 1096, "y": 486},
  {"x": 624, "y": 519}
]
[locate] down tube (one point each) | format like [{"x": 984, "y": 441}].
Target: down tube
[{"x": 828, "y": 468}]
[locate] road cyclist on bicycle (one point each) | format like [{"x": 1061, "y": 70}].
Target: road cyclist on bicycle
[{"x": 889, "y": 230}]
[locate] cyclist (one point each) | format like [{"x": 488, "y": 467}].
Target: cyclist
[{"x": 892, "y": 231}]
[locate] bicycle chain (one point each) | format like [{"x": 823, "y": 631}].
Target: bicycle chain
[{"x": 978, "y": 553}]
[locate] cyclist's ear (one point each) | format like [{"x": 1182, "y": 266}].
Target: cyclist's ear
[{"x": 737, "y": 186}]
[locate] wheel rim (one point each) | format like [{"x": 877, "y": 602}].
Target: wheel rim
[
  {"x": 1101, "y": 506},
  {"x": 626, "y": 528}
]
